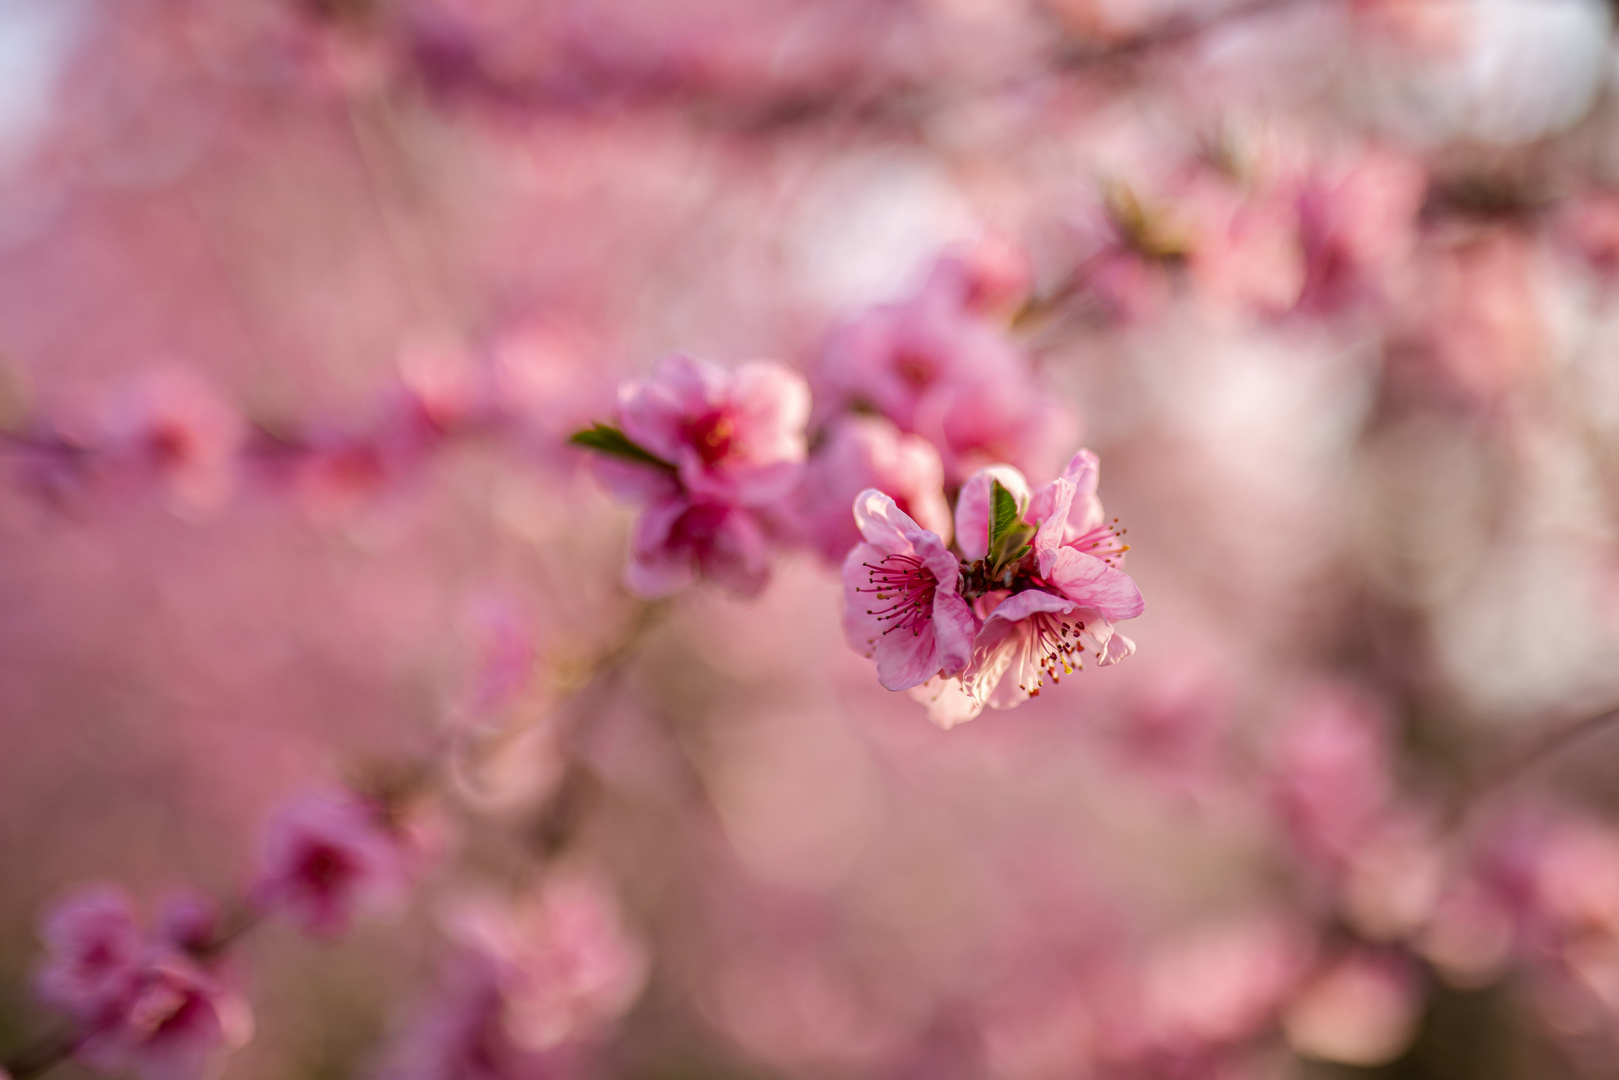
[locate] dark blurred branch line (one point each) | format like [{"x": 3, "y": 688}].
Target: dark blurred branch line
[{"x": 575, "y": 530}]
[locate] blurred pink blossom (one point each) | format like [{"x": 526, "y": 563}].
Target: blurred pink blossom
[
  {"x": 175, "y": 431},
  {"x": 526, "y": 989},
  {"x": 859, "y": 452},
  {"x": 735, "y": 438},
  {"x": 1331, "y": 768},
  {"x": 939, "y": 368},
  {"x": 93, "y": 954},
  {"x": 177, "y": 1021},
  {"x": 163, "y": 1007},
  {"x": 326, "y": 857}
]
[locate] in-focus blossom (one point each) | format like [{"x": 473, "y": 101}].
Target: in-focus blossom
[
  {"x": 1042, "y": 616},
  {"x": 902, "y": 601},
  {"x": 327, "y": 857},
  {"x": 860, "y": 452}
]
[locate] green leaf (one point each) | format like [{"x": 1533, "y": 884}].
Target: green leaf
[
  {"x": 1009, "y": 534},
  {"x": 1003, "y": 513},
  {"x": 607, "y": 439}
]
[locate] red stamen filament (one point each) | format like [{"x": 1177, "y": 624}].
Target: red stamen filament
[
  {"x": 1057, "y": 650},
  {"x": 910, "y": 585}
]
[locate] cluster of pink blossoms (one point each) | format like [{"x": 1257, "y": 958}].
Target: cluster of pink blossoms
[
  {"x": 165, "y": 1004},
  {"x": 1035, "y": 582},
  {"x": 162, "y": 1004},
  {"x": 920, "y": 392}
]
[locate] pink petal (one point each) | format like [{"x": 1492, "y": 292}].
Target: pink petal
[
  {"x": 954, "y": 629},
  {"x": 1094, "y": 584},
  {"x": 1056, "y": 500},
  {"x": 883, "y": 523}
]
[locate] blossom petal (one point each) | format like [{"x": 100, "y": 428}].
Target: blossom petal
[
  {"x": 883, "y": 523},
  {"x": 1094, "y": 584},
  {"x": 1057, "y": 497},
  {"x": 1020, "y": 606},
  {"x": 954, "y": 628},
  {"x": 947, "y": 700}
]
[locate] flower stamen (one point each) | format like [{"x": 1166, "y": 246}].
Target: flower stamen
[{"x": 906, "y": 581}]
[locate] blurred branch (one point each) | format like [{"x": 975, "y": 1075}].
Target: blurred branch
[{"x": 1534, "y": 752}]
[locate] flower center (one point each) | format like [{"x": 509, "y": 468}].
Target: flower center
[
  {"x": 325, "y": 869},
  {"x": 713, "y": 436},
  {"x": 909, "y": 585},
  {"x": 1056, "y": 649},
  {"x": 917, "y": 368}
]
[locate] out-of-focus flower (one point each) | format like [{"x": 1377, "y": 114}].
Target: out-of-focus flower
[
  {"x": 572, "y": 967},
  {"x": 175, "y": 430},
  {"x": 178, "y": 1019},
  {"x": 937, "y": 367},
  {"x": 1220, "y": 984},
  {"x": 676, "y": 541},
  {"x": 327, "y": 857},
  {"x": 735, "y": 438},
  {"x": 1331, "y": 767},
  {"x": 163, "y": 1007},
  {"x": 918, "y": 626},
  {"x": 860, "y": 452},
  {"x": 93, "y": 954},
  {"x": 1588, "y": 224},
  {"x": 710, "y": 453},
  {"x": 1355, "y": 227},
  {"x": 1361, "y": 1008},
  {"x": 526, "y": 990},
  {"x": 504, "y": 648}
]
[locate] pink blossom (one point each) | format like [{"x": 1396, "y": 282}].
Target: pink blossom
[
  {"x": 920, "y": 625},
  {"x": 154, "y": 1006},
  {"x": 715, "y": 451},
  {"x": 526, "y": 990},
  {"x": 1043, "y": 625},
  {"x": 990, "y": 277},
  {"x": 174, "y": 429},
  {"x": 676, "y": 540},
  {"x": 176, "y": 1021},
  {"x": 1354, "y": 226},
  {"x": 1588, "y": 225},
  {"x": 861, "y": 452},
  {"x": 93, "y": 954},
  {"x": 573, "y": 966},
  {"x": 1332, "y": 771},
  {"x": 735, "y": 438},
  {"x": 939, "y": 368},
  {"x": 326, "y": 857}
]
